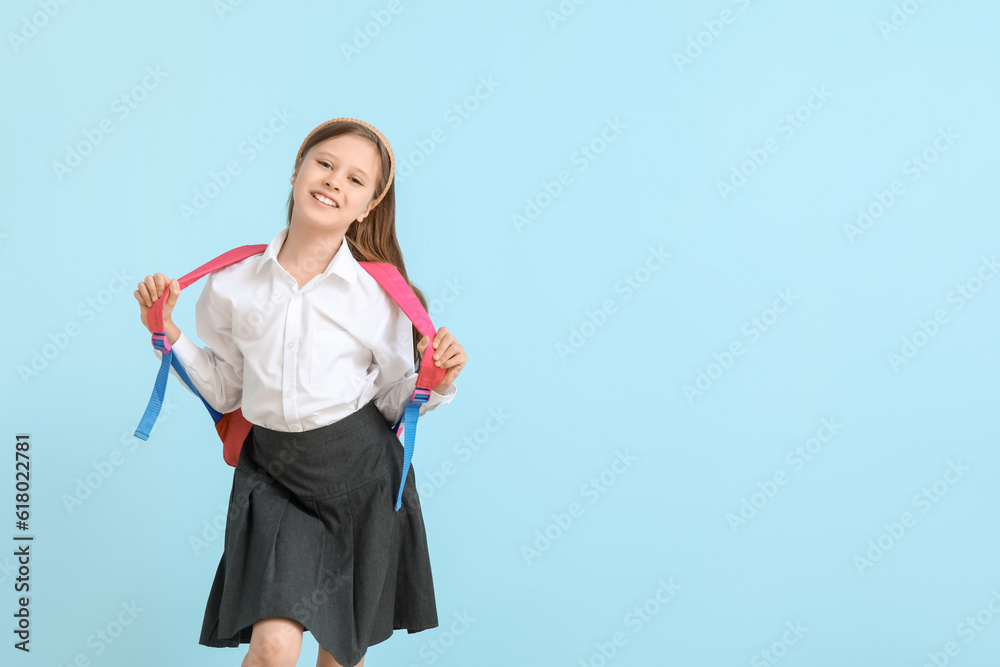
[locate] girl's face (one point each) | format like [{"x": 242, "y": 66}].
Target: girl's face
[{"x": 335, "y": 183}]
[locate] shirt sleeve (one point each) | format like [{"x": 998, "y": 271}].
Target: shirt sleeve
[
  {"x": 397, "y": 376},
  {"x": 217, "y": 369},
  {"x": 173, "y": 371}
]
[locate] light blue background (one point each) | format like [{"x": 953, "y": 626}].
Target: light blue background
[{"x": 521, "y": 293}]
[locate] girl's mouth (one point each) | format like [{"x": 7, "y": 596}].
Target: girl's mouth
[{"x": 325, "y": 201}]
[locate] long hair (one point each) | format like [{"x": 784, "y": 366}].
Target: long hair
[{"x": 374, "y": 238}]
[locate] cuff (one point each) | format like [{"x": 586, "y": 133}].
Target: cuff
[
  {"x": 449, "y": 393},
  {"x": 185, "y": 349},
  {"x": 440, "y": 399}
]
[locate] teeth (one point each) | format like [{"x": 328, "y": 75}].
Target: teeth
[{"x": 325, "y": 200}]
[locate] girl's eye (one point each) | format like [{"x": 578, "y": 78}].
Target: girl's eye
[{"x": 327, "y": 165}]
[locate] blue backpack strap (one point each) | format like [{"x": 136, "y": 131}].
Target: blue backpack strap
[
  {"x": 409, "y": 418},
  {"x": 160, "y": 388}
]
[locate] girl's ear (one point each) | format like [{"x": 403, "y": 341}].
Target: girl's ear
[{"x": 368, "y": 209}]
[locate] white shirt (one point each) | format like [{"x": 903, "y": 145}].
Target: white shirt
[{"x": 296, "y": 359}]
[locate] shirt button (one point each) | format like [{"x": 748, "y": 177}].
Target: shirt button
[
  {"x": 290, "y": 345},
  {"x": 296, "y": 427},
  {"x": 289, "y": 393},
  {"x": 297, "y": 296}
]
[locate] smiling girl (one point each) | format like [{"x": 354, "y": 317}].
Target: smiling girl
[{"x": 321, "y": 361}]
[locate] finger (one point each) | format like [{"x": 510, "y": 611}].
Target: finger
[
  {"x": 449, "y": 357},
  {"x": 452, "y": 373},
  {"x": 441, "y": 352},
  {"x": 439, "y": 336},
  {"x": 168, "y": 289},
  {"x": 455, "y": 370},
  {"x": 144, "y": 292},
  {"x": 455, "y": 357},
  {"x": 443, "y": 345},
  {"x": 151, "y": 288}
]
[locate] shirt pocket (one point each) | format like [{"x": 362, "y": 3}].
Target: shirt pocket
[{"x": 333, "y": 367}]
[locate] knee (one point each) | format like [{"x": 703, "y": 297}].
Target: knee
[
  {"x": 275, "y": 642},
  {"x": 324, "y": 659},
  {"x": 274, "y": 652}
]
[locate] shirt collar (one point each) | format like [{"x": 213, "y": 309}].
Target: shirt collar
[{"x": 343, "y": 263}]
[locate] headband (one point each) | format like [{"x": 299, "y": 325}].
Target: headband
[{"x": 392, "y": 159}]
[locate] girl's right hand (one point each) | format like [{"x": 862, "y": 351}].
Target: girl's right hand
[{"x": 150, "y": 290}]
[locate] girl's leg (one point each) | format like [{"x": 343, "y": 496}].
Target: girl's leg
[
  {"x": 275, "y": 642},
  {"x": 324, "y": 659}
]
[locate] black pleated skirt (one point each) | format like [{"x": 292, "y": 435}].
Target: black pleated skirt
[{"x": 312, "y": 534}]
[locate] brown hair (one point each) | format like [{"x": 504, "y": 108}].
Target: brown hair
[{"x": 374, "y": 238}]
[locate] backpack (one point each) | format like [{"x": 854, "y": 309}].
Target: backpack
[{"x": 232, "y": 427}]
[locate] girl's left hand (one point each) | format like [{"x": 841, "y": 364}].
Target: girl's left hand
[{"x": 447, "y": 354}]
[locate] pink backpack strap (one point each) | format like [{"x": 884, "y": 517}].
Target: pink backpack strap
[
  {"x": 430, "y": 376},
  {"x": 154, "y": 316},
  {"x": 154, "y": 319},
  {"x": 388, "y": 277}
]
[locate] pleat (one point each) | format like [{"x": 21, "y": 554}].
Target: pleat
[{"x": 334, "y": 554}]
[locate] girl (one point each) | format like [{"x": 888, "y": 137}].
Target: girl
[{"x": 321, "y": 361}]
